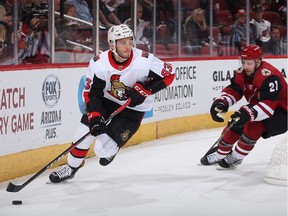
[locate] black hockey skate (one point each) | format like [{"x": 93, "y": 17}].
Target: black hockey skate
[
  {"x": 229, "y": 162},
  {"x": 210, "y": 157},
  {"x": 67, "y": 172},
  {"x": 106, "y": 161}
]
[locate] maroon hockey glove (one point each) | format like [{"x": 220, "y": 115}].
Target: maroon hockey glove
[
  {"x": 243, "y": 115},
  {"x": 220, "y": 105},
  {"x": 138, "y": 94},
  {"x": 97, "y": 124}
]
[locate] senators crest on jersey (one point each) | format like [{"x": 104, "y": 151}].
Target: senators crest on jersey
[
  {"x": 265, "y": 72},
  {"x": 118, "y": 89},
  {"x": 125, "y": 135}
]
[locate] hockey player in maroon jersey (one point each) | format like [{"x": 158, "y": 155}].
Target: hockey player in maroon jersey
[
  {"x": 112, "y": 77},
  {"x": 265, "y": 89}
]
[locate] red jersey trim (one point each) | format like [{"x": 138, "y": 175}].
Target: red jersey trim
[
  {"x": 79, "y": 153},
  {"x": 116, "y": 65},
  {"x": 168, "y": 80}
]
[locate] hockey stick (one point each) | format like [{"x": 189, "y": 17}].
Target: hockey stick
[
  {"x": 222, "y": 135},
  {"x": 15, "y": 188}
]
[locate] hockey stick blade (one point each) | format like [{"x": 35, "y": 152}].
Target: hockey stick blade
[{"x": 15, "y": 188}]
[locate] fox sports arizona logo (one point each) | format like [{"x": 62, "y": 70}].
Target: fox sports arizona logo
[{"x": 51, "y": 90}]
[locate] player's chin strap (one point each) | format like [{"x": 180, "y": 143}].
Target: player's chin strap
[
  {"x": 114, "y": 51},
  {"x": 15, "y": 188}
]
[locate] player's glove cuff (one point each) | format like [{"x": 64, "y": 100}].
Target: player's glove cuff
[
  {"x": 138, "y": 94},
  {"x": 220, "y": 105},
  {"x": 97, "y": 124},
  {"x": 245, "y": 114},
  {"x": 92, "y": 115}
]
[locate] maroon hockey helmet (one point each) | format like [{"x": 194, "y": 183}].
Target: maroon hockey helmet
[{"x": 251, "y": 52}]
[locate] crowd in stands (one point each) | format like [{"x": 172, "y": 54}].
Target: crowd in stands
[
  {"x": 73, "y": 27},
  {"x": 230, "y": 28}
]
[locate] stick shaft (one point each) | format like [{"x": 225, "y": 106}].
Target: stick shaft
[
  {"x": 223, "y": 134},
  {"x": 15, "y": 188}
]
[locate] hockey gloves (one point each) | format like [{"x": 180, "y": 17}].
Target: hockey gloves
[
  {"x": 138, "y": 94},
  {"x": 97, "y": 124},
  {"x": 220, "y": 105},
  {"x": 243, "y": 115}
]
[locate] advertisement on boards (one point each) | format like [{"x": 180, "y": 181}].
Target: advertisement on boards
[
  {"x": 43, "y": 107},
  {"x": 37, "y": 108}
]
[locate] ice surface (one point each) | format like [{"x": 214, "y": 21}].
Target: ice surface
[{"x": 157, "y": 178}]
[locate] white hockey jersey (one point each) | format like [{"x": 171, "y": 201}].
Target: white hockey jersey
[{"x": 119, "y": 78}]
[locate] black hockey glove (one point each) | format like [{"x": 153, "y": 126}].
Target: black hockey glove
[
  {"x": 242, "y": 116},
  {"x": 220, "y": 105},
  {"x": 97, "y": 124},
  {"x": 138, "y": 94}
]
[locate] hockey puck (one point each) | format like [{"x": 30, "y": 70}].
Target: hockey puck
[{"x": 17, "y": 202}]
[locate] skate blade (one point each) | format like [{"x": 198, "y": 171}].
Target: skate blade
[
  {"x": 63, "y": 182},
  {"x": 218, "y": 167},
  {"x": 199, "y": 164}
]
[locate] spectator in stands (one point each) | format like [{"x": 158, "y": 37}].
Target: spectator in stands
[
  {"x": 107, "y": 18},
  {"x": 205, "y": 5},
  {"x": 5, "y": 15},
  {"x": 234, "y": 6},
  {"x": 33, "y": 36},
  {"x": 147, "y": 9},
  {"x": 260, "y": 27},
  {"x": 266, "y": 5},
  {"x": 36, "y": 49},
  {"x": 70, "y": 10},
  {"x": 281, "y": 8},
  {"x": 109, "y": 10},
  {"x": 195, "y": 28},
  {"x": 165, "y": 14},
  {"x": 82, "y": 9},
  {"x": 2, "y": 12},
  {"x": 6, "y": 51},
  {"x": 238, "y": 31},
  {"x": 276, "y": 45},
  {"x": 143, "y": 29},
  {"x": 77, "y": 37},
  {"x": 57, "y": 5},
  {"x": 72, "y": 33}
]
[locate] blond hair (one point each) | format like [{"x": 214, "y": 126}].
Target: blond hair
[
  {"x": 3, "y": 32},
  {"x": 2, "y": 13},
  {"x": 193, "y": 17}
]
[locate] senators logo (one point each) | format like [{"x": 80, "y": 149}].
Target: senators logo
[
  {"x": 125, "y": 135},
  {"x": 118, "y": 89}
]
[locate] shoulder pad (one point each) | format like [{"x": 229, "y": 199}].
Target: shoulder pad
[
  {"x": 239, "y": 70},
  {"x": 145, "y": 54},
  {"x": 265, "y": 72},
  {"x": 96, "y": 58}
]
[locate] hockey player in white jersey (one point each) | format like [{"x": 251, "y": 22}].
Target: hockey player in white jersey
[{"x": 112, "y": 77}]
